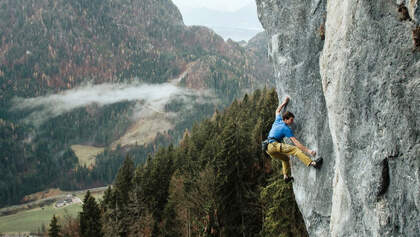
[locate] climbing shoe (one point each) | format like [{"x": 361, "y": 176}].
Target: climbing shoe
[
  {"x": 288, "y": 179},
  {"x": 318, "y": 163}
]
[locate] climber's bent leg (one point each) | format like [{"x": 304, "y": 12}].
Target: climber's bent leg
[{"x": 294, "y": 151}]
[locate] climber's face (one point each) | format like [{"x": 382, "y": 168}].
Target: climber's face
[{"x": 289, "y": 121}]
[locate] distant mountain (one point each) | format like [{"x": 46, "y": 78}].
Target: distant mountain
[
  {"x": 242, "y": 24},
  {"x": 50, "y": 49}
]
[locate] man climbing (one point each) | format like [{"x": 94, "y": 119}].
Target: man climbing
[{"x": 280, "y": 150}]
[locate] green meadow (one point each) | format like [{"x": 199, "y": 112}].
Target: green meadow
[{"x": 32, "y": 220}]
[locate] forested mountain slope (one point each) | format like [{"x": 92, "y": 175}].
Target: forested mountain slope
[
  {"x": 54, "y": 45},
  {"x": 49, "y": 49},
  {"x": 217, "y": 182}
]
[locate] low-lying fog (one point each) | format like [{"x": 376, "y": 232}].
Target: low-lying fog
[{"x": 153, "y": 97}]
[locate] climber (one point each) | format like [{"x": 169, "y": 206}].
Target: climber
[{"x": 280, "y": 150}]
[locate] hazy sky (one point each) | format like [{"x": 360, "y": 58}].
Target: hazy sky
[{"x": 222, "y": 5}]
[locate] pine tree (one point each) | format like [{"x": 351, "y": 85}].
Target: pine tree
[
  {"x": 170, "y": 227},
  {"x": 108, "y": 200},
  {"x": 54, "y": 230},
  {"x": 282, "y": 216},
  {"x": 232, "y": 167},
  {"x": 90, "y": 218},
  {"x": 124, "y": 182},
  {"x": 124, "y": 185},
  {"x": 109, "y": 213}
]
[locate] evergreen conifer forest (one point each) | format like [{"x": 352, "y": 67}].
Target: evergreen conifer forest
[{"x": 217, "y": 182}]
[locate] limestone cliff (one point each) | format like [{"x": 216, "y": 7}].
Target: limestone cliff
[{"x": 354, "y": 80}]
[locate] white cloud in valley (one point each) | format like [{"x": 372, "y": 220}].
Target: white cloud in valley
[{"x": 153, "y": 98}]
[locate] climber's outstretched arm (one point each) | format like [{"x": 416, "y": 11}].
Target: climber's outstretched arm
[
  {"x": 302, "y": 147},
  {"x": 278, "y": 110}
]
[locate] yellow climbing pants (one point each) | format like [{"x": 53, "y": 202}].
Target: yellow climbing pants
[{"x": 282, "y": 151}]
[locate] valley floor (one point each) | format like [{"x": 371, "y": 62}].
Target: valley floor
[{"x": 37, "y": 215}]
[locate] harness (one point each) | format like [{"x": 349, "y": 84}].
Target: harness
[
  {"x": 269, "y": 140},
  {"x": 272, "y": 139}
]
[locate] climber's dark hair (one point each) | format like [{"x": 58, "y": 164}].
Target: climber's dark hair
[{"x": 286, "y": 115}]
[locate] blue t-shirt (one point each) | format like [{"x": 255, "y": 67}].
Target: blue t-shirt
[{"x": 279, "y": 130}]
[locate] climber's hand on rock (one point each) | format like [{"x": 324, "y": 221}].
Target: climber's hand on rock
[{"x": 312, "y": 152}]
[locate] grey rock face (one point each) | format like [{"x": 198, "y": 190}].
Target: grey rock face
[
  {"x": 356, "y": 97},
  {"x": 294, "y": 48}
]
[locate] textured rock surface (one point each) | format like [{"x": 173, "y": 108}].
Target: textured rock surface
[{"x": 355, "y": 96}]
